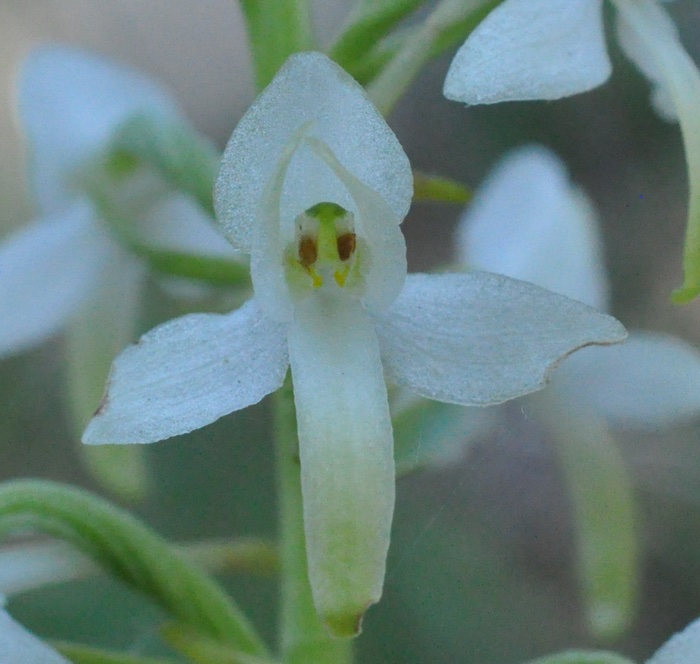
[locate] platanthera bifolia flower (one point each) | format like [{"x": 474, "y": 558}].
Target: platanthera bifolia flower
[
  {"x": 314, "y": 185},
  {"x": 18, "y": 646},
  {"x": 548, "y": 49}
]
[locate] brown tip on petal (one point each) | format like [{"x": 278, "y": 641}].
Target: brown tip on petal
[
  {"x": 345, "y": 625},
  {"x": 103, "y": 405}
]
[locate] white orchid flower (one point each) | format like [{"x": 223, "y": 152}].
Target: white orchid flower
[
  {"x": 314, "y": 186},
  {"x": 18, "y": 646},
  {"x": 67, "y": 266},
  {"x": 548, "y": 49},
  {"x": 529, "y": 222}
]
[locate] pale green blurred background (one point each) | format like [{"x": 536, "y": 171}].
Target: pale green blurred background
[{"x": 480, "y": 568}]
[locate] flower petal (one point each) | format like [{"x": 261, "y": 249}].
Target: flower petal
[
  {"x": 18, "y": 646},
  {"x": 652, "y": 380},
  {"x": 531, "y": 49},
  {"x": 681, "y": 648},
  {"x": 47, "y": 270},
  {"x": 346, "y": 450},
  {"x": 480, "y": 338},
  {"x": 309, "y": 88},
  {"x": 529, "y": 223},
  {"x": 189, "y": 372},
  {"x": 70, "y": 103}
]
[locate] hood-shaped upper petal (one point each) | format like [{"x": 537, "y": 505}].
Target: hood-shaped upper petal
[
  {"x": 189, "y": 372},
  {"x": 531, "y": 49},
  {"x": 480, "y": 339},
  {"x": 70, "y": 102},
  {"x": 47, "y": 271},
  {"x": 309, "y": 91},
  {"x": 18, "y": 646},
  {"x": 376, "y": 225},
  {"x": 528, "y": 222}
]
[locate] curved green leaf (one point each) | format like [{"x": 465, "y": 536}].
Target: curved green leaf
[{"x": 128, "y": 549}]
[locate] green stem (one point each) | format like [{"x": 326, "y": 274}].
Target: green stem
[
  {"x": 276, "y": 29},
  {"x": 370, "y": 22},
  {"x": 388, "y": 87},
  {"x": 211, "y": 269},
  {"x": 438, "y": 189},
  {"x": 184, "y": 158},
  {"x": 123, "y": 546},
  {"x": 304, "y": 640}
]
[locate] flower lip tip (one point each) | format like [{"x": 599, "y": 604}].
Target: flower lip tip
[{"x": 345, "y": 625}]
